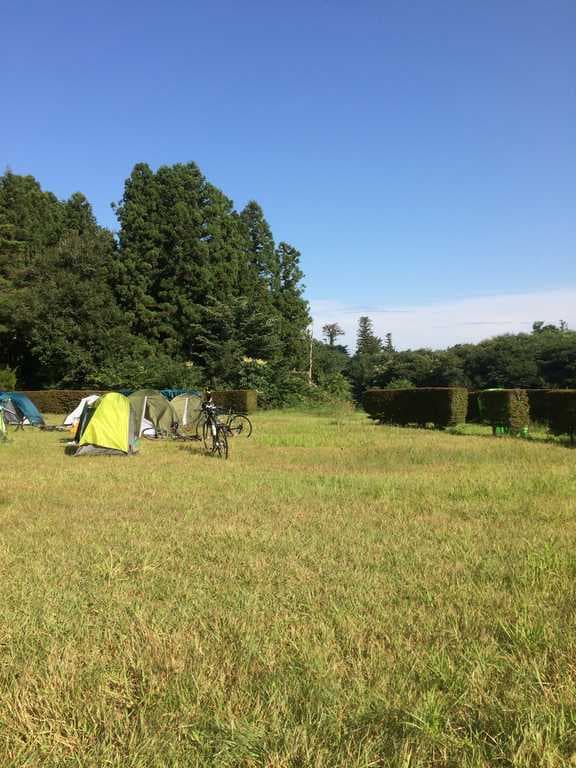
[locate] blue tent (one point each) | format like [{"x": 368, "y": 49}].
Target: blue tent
[
  {"x": 26, "y": 407},
  {"x": 170, "y": 394}
]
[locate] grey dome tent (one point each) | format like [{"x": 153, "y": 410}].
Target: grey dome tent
[
  {"x": 155, "y": 416},
  {"x": 187, "y": 407}
]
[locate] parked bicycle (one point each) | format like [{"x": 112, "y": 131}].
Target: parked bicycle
[
  {"x": 236, "y": 424},
  {"x": 214, "y": 432}
]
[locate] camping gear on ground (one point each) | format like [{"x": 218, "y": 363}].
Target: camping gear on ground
[
  {"x": 172, "y": 393},
  {"x": 107, "y": 426},
  {"x": 155, "y": 416},
  {"x": 187, "y": 407},
  {"x": 74, "y": 416},
  {"x": 25, "y": 408}
]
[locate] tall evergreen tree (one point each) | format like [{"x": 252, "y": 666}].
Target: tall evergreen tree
[
  {"x": 180, "y": 244},
  {"x": 259, "y": 319},
  {"x": 78, "y": 215},
  {"x": 367, "y": 343},
  {"x": 293, "y": 308},
  {"x": 31, "y": 221},
  {"x": 263, "y": 255}
]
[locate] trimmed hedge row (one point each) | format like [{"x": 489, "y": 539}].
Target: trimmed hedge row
[
  {"x": 65, "y": 400},
  {"x": 473, "y": 407},
  {"x": 59, "y": 400},
  {"x": 562, "y": 412},
  {"x": 441, "y": 406},
  {"x": 237, "y": 400},
  {"x": 509, "y": 408},
  {"x": 538, "y": 399}
]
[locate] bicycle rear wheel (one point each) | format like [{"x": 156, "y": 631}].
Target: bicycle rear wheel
[{"x": 240, "y": 425}]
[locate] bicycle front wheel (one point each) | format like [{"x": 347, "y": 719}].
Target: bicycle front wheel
[
  {"x": 220, "y": 442},
  {"x": 240, "y": 425}
]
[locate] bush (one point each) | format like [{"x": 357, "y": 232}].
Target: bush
[
  {"x": 400, "y": 383},
  {"x": 508, "y": 408},
  {"x": 562, "y": 412},
  {"x": 334, "y": 387},
  {"x": 155, "y": 371},
  {"x": 441, "y": 406},
  {"x": 7, "y": 379},
  {"x": 59, "y": 400},
  {"x": 237, "y": 400}
]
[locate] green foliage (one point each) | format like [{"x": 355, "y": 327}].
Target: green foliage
[
  {"x": 7, "y": 379},
  {"x": 292, "y": 308},
  {"x": 236, "y": 400},
  {"x": 191, "y": 280},
  {"x": 367, "y": 343},
  {"x": 180, "y": 242},
  {"x": 443, "y": 407},
  {"x": 281, "y": 387},
  {"x": 544, "y": 358},
  {"x": 141, "y": 366},
  {"x": 509, "y": 408},
  {"x": 261, "y": 248},
  {"x": 400, "y": 383},
  {"x": 334, "y": 387},
  {"x": 190, "y": 288},
  {"x": 561, "y": 412},
  {"x": 421, "y": 367},
  {"x": 327, "y": 358}
]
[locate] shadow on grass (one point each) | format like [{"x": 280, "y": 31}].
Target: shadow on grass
[
  {"x": 560, "y": 442},
  {"x": 485, "y": 432}
]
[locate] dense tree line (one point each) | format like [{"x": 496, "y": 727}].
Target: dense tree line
[
  {"x": 189, "y": 292},
  {"x": 546, "y": 357},
  {"x": 192, "y": 292}
]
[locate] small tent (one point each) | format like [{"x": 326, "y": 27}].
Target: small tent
[
  {"x": 74, "y": 416},
  {"x": 25, "y": 408},
  {"x": 11, "y": 414},
  {"x": 107, "y": 426},
  {"x": 155, "y": 415},
  {"x": 187, "y": 407}
]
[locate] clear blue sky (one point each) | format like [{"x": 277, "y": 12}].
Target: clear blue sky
[{"x": 416, "y": 152}]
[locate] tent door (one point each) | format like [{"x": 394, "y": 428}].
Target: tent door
[{"x": 143, "y": 419}]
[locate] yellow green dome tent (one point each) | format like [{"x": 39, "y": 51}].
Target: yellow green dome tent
[{"x": 107, "y": 426}]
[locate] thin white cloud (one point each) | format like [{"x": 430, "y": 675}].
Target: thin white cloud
[{"x": 450, "y": 322}]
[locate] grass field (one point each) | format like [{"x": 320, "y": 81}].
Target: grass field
[{"x": 337, "y": 594}]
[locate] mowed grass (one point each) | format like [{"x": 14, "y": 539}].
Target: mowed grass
[{"x": 336, "y": 594}]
